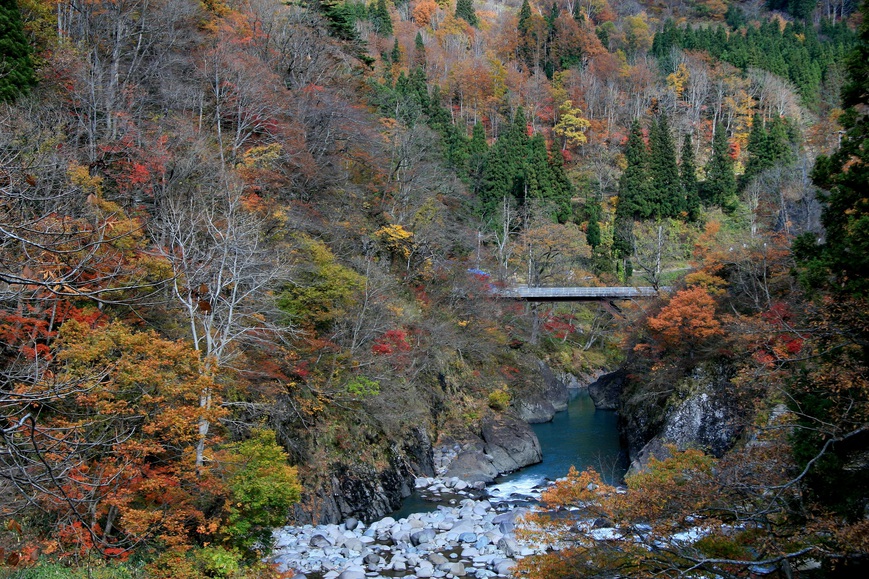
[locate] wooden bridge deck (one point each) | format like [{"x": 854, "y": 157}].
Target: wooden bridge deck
[{"x": 578, "y": 294}]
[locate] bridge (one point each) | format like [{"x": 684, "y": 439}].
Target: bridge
[{"x": 578, "y": 294}]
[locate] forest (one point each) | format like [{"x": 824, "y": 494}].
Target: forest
[{"x": 249, "y": 251}]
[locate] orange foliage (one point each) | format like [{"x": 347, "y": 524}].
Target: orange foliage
[
  {"x": 423, "y": 12},
  {"x": 687, "y": 321}
]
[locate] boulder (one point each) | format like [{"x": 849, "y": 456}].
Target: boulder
[
  {"x": 510, "y": 443},
  {"x": 606, "y": 390}
]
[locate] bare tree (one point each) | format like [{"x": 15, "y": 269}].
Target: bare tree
[{"x": 224, "y": 274}]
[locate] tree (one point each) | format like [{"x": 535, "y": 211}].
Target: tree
[
  {"x": 16, "y": 67},
  {"x": 719, "y": 188},
  {"x": 634, "y": 185},
  {"x": 380, "y": 17},
  {"x": 841, "y": 261},
  {"x": 665, "y": 187},
  {"x": 465, "y": 10},
  {"x": 223, "y": 278},
  {"x": 571, "y": 126},
  {"x": 688, "y": 179}
]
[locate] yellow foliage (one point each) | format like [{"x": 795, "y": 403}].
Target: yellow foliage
[
  {"x": 678, "y": 79},
  {"x": 396, "y": 238},
  {"x": 571, "y": 125},
  {"x": 80, "y": 176}
]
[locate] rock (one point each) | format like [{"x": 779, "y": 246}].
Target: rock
[
  {"x": 606, "y": 390},
  {"x": 354, "y": 545},
  {"x": 372, "y": 559},
  {"x": 437, "y": 559},
  {"x": 504, "y": 566},
  {"x": 424, "y": 536},
  {"x": 472, "y": 464},
  {"x": 509, "y": 547},
  {"x": 457, "y": 569},
  {"x": 510, "y": 443},
  {"x": 468, "y": 537},
  {"x": 352, "y": 574},
  {"x": 320, "y": 542},
  {"x": 351, "y": 524}
]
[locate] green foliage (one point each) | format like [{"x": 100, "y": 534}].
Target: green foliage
[
  {"x": 688, "y": 178},
  {"x": 841, "y": 262},
  {"x": 45, "y": 569},
  {"x": 215, "y": 561},
  {"x": 797, "y": 52},
  {"x": 323, "y": 289},
  {"x": 719, "y": 188},
  {"x": 340, "y": 16},
  {"x": 634, "y": 185},
  {"x": 16, "y": 67},
  {"x": 465, "y": 11},
  {"x": 263, "y": 488},
  {"x": 362, "y": 387},
  {"x": 667, "y": 197},
  {"x": 767, "y": 147},
  {"x": 379, "y": 16}
]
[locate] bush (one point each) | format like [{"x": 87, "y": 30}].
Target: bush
[
  {"x": 263, "y": 487},
  {"x": 499, "y": 400}
]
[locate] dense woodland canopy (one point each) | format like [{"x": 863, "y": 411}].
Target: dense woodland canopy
[{"x": 235, "y": 238}]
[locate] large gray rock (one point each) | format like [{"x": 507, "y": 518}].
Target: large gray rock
[
  {"x": 510, "y": 443},
  {"x": 540, "y": 403},
  {"x": 472, "y": 464},
  {"x": 606, "y": 390}
]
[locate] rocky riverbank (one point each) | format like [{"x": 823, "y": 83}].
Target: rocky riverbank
[{"x": 473, "y": 538}]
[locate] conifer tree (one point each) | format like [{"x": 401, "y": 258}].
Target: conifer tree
[
  {"x": 16, "y": 67},
  {"x": 502, "y": 175},
  {"x": 667, "y": 198},
  {"x": 419, "y": 51},
  {"x": 758, "y": 160},
  {"x": 841, "y": 262},
  {"x": 720, "y": 185},
  {"x": 634, "y": 186},
  {"x": 380, "y": 18},
  {"x": 395, "y": 55},
  {"x": 465, "y": 10},
  {"x": 688, "y": 177},
  {"x": 477, "y": 149}
]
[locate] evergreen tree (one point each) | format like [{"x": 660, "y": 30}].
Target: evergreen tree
[
  {"x": 395, "y": 55},
  {"x": 477, "y": 149},
  {"x": 380, "y": 18},
  {"x": 16, "y": 67},
  {"x": 465, "y": 11},
  {"x": 720, "y": 185},
  {"x": 667, "y": 197},
  {"x": 758, "y": 158},
  {"x": 524, "y": 33},
  {"x": 340, "y": 17},
  {"x": 419, "y": 51},
  {"x": 593, "y": 214},
  {"x": 688, "y": 177},
  {"x": 841, "y": 262},
  {"x": 634, "y": 185},
  {"x": 503, "y": 172}
]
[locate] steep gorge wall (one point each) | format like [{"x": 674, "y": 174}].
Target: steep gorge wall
[{"x": 697, "y": 409}]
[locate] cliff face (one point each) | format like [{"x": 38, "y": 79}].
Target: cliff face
[{"x": 696, "y": 410}]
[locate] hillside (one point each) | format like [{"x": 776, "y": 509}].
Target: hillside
[{"x": 248, "y": 248}]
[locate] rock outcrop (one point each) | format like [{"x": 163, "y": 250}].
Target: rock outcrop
[
  {"x": 360, "y": 491},
  {"x": 698, "y": 412},
  {"x": 505, "y": 443},
  {"x": 540, "y": 404},
  {"x": 607, "y": 389}
]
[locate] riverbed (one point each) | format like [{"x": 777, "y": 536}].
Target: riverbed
[{"x": 467, "y": 531}]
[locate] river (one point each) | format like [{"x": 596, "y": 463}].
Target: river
[{"x": 581, "y": 436}]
